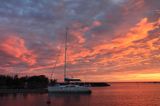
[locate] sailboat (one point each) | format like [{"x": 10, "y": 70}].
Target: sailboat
[{"x": 70, "y": 84}]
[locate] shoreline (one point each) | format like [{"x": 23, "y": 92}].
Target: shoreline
[
  {"x": 89, "y": 84},
  {"x": 44, "y": 90}
]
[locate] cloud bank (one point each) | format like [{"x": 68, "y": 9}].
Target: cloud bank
[{"x": 108, "y": 40}]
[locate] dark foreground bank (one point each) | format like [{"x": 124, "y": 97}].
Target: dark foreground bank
[
  {"x": 35, "y": 84},
  {"x": 44, "y": 90}
]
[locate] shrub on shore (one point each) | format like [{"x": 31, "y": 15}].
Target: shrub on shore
[{"x": 15, "y": 82}]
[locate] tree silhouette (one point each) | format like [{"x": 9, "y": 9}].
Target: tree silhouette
[{"x": 8, "y": 82}]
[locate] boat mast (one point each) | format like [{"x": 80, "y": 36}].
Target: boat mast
[{"x": 65, "y": 55}]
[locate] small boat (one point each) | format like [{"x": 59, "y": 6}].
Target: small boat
[{"x": 68, "y": 87}]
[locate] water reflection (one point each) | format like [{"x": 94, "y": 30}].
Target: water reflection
[
  {"x": 23, "y": 99},
  {"x": 119, "y": 94},
  {"x": 69, "y": 99}
]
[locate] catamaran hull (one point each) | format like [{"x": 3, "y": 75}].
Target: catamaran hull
[{"x": 54, "y": 89}]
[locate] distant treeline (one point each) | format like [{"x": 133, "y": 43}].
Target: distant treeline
[{"x": 15, "y": 82}]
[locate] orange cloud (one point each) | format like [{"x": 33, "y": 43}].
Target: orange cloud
[
  {"x": 139, "y": 32},
  {"x": 15, "y": 46},
  {"x": 133, "y": 49},
  {"x": 135, "y": 34},
  {"x": 129, "y": 50},
  {"x": 151, "y": 44}
]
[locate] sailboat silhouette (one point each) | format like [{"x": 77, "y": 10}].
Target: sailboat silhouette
[{"x": 68, "y": 87}]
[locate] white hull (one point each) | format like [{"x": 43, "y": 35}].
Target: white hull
[{"x": 69, "y": 89}]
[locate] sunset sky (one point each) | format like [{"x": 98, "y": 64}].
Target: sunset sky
[{"x": 108, "y": 40}]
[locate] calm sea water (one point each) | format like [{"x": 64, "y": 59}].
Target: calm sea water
[{"x": 119, "y": 94}]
